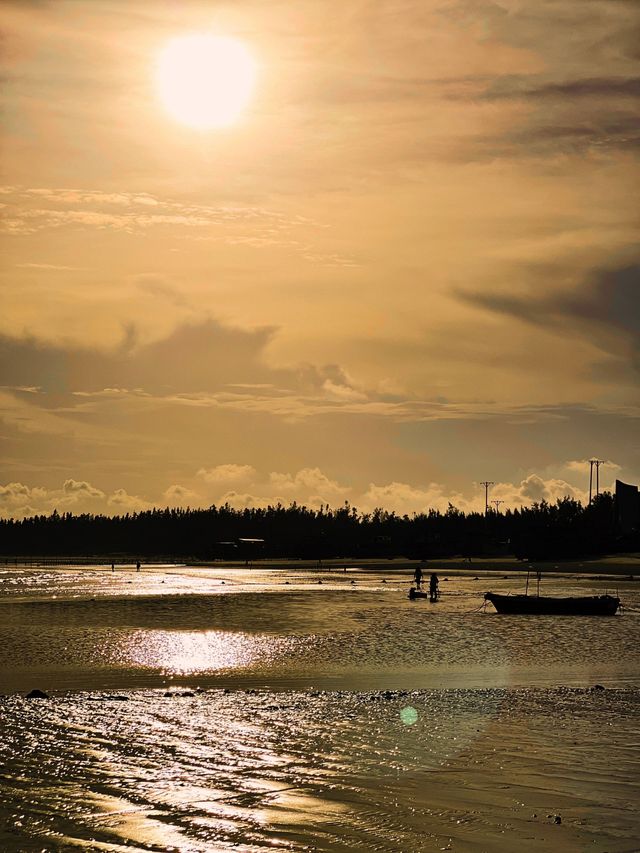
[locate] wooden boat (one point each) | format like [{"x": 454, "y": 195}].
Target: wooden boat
[{"x": 585, "y": 605}]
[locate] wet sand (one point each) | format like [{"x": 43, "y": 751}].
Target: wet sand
[
  {"x": 466, "y": 770},
  {"x": 266, "y": 710}
]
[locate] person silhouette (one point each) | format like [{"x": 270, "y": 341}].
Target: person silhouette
[
  {"x": 417, "y": 575},
  {"x": 433, "y": 587}
]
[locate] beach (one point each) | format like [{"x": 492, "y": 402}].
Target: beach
[{"x": 220, "y": 708}]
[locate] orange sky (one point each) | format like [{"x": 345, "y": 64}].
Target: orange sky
[{"x": 410, "y": 265}]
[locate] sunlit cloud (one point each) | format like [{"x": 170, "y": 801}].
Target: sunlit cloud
[
  {"x": 397, "y": 273},
  {"x": 310, "y": 487},
  {"x": 227, "y": 473}
]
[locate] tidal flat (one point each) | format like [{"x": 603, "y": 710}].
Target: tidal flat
[{"x": 218, "y": 709}]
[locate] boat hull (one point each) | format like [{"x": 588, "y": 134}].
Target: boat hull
[
  {"x": 588, "y": 605},
  {"x": 418, "y": 593}
]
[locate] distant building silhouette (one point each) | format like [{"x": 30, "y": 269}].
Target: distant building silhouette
[{"x": 627, "y": 508}]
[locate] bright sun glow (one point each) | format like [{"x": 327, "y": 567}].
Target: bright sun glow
[{"x": 205, "y": 81}]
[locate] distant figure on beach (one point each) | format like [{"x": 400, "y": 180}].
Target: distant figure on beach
[
  {"x": 418, "y": 577},
  {"x": 433, "y": 587},
  {"x": 113, "y": 568},
  {"x": 138, "y": 566}
]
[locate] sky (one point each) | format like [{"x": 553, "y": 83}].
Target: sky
[{"x": 409, "y": 265}]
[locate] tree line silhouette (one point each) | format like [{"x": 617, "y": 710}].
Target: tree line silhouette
[{"x": 541, "y": 531}]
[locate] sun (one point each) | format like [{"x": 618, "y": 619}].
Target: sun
[{"x": 205, "y": 81}]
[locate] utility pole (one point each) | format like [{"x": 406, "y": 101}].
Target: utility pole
[
  {"x": 597, "y": 463},
  {"x": 497, "y": 505},
  {"x": 486, "y": 484}
]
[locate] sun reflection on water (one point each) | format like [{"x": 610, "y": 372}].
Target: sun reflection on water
[{"x": 189, "y": 652}]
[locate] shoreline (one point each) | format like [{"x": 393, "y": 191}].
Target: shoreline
[{"x": 623, "y": 565}]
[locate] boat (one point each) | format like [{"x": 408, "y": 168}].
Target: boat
[
  {"x": 418, "y": 593},
  {"x": 546, "y": 605}
]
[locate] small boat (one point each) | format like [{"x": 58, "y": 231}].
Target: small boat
[
  {"x": 544, "y": 605},
  {"x": 418, "y": 593}
]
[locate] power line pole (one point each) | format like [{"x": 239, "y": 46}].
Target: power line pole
[
  {"x": 597, "y": 463},
  {"x": 486, "y": 484},
  {"x": 497, "y": 505}
]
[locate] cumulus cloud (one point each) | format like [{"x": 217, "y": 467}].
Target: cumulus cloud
[
  {"x": 177, "y": 495},
  {"x": 243, "y": 500},
  {"x": 407, "y": 499},
  {"x": 229, "y": 473},
  {"x": 80, "y": 488},
  {"x": 534, "y": 489},
  {"x": 122, "y": 502},
  {"x": 18, "y": 500},
  {"x": 308, "y": 482}
]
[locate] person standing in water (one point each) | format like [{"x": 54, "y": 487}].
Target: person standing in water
[
  {"x": 417, "y": 576},
  {"x": 433, "y": 587}
]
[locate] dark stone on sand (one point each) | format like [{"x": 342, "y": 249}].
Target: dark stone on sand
[
  {"x": 557, "y": 819},
  {"x": 115, "y": 698},
  {"x": 597, "y": 687},
  {"x": 37, "y": 694}
]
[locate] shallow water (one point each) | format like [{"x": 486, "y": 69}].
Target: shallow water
[
  {"x": 332, "y": 716},
  {"x": 85, "y": 628},
  {"x": 424, "y": 770}
]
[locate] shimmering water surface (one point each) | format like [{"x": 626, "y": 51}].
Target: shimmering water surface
[{"x": 214, "y": 709}]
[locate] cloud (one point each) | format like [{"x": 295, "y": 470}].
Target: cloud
[
  {"x": 18, "y": 500},
  {"x": 16, "y": 497},
  {"x": 28, "y": 211},
  {"x": 122, "y": 502},
  {"x": 308, "y": 483},
  {"x": 583, "y": 465},
  {"x": 534, "y": 489},
  {"x": 606, "y": 306},
  {"x": 245, "y": 486},
  {"x": 406, "y": 499},
  {"x": 342, "y": 393},
  {"x": 80, "y": 489},
  {"x": 177, "y": 495},
  {"x": 52, "y": 267},
  {"x": 227, "y": 473},
  {"x": 531, "y": 87}
]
